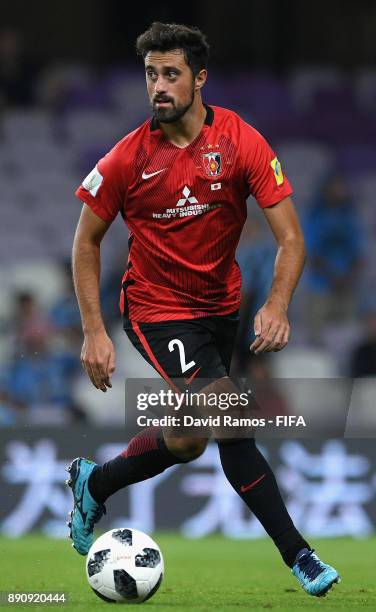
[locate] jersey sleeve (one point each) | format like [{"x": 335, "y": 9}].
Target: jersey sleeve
[
  {"x": 262, "y": 169},
  {"x": 104, "y": 187}
]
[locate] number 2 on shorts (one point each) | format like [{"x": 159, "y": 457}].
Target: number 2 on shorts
[{"x": 171, "y": 346}]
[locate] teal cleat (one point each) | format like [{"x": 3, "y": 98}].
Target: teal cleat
[
  {"x": 315, "y": 577},
  {"x": 86, "y": 511}
]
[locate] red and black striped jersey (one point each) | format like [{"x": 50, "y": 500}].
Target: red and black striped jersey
[{"x": 185, "y": 209}]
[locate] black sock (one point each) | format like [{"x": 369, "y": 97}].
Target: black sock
[
  {"x": 250, "y": 475},
  {"x": 147, "y": 455}
]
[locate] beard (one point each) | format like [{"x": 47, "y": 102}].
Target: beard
[{"x": 173, "y": 112}]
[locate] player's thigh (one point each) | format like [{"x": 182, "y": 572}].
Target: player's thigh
[{"x": 226, "y": 329}]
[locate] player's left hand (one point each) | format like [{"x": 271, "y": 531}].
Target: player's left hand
[{"x": 272, "y": 329}]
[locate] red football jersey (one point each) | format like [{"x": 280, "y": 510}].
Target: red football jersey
[{"x": 185, "y": 209}]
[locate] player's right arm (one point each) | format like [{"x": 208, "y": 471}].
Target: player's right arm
[
  {"x": 98, "y": 353},
  {"x": 271, "y": 189},
  {"x": 103, "y": 193}
]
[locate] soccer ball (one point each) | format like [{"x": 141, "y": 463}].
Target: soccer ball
[{"x": 124, "y": 565}]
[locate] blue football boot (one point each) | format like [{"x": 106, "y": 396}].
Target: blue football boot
[
  {"x": 86, "y": 511},
  {"x": 314, "y": 576}
]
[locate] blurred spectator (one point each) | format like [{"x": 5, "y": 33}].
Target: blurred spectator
[
  {"x": 65, "y": 314},
  {"x": 11, "y": 412},
  {"x": 42, "y": 378},
  {"x": 8, "y": 416},
  {"x": 29, "y": 322},
  {"x": 363, "y": 359},
  {"x": 268, "y": 395},
  {"x": 17, "y": 71},
  {"x": 255, "y": 255},
  {"x": 42, "y": 371},
  {"x": 334, "y": 239}
]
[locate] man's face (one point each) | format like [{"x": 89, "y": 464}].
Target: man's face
[{"x": 170, "y": 84}]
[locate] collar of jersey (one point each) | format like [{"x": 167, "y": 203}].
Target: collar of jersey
[{"x": 155, "y": 125}]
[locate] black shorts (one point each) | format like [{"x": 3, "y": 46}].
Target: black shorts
[{"x": 186, "y": 352}]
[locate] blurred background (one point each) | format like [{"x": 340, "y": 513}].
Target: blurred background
[{"x": 70, "y": 87}]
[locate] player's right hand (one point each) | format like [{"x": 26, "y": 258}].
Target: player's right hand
[{"x": 98, "y": 359}]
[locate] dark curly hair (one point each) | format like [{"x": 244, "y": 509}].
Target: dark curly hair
[{"x": 169, "y": 36}]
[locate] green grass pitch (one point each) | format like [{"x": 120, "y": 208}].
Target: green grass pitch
[{"x": 212, "y": 573}]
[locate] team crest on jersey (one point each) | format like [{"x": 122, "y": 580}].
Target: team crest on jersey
[{"x": 212, "y": 163}]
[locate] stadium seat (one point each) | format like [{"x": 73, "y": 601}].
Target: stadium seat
[
  {"x": 41, "y": 156},
  {"x": 305, "y": 164},
  {"x": 86, "y": 129},
  {"x": 60, "y": 85},
  {"x": 304, "y": 362},
  {"x": 260, "y": 95},
  {"x": 42, "y": 278},
  {"x": 129, "y": 98},
  {"x": 309, "y": 380},
  {"x": 361, "y": 421},
  {"x": 365, "y": 89},
  {"x": 356, "y": 159},
  {"x": 305, "y": 83},
  {"x": 26, "y": 125}
]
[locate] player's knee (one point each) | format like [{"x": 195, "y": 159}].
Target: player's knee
[
  {"x": 186, "y": 449},
  {"x": 220, "y": 385}
]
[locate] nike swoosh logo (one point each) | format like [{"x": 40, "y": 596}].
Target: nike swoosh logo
[
  {"x": 147, "y": 176},
  {"x": 79, "y": 504},
  {"x": 245, "y": 488},
  {"x": 189, "y": 380}
]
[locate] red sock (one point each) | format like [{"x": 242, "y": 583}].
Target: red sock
[{"x": 146, "y": 455}]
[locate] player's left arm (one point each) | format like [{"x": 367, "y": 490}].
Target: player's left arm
[{"x": 271, "y": 324}]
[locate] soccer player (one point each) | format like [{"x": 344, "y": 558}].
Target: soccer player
[{"x": 180, "y": 182}]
